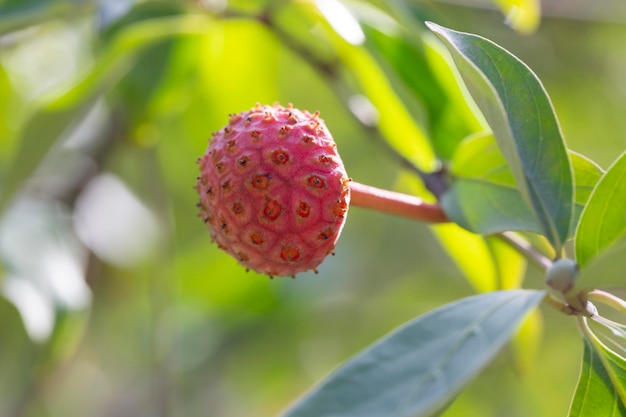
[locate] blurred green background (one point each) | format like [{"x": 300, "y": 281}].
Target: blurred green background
[{"x": 115, "y": 302}]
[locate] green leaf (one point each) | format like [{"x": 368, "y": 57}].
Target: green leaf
[
  {"x": 471, "y": 254},
  {"x": 392, "y": 117},
  {"x": 603, "y": 221},
  {"x": 394, "y": 122},
  {"x": 605, "y": 269},
  {"x": 615, "y": 367},
  {"x": 483, "y": 197},
  {"x": 479, "y": 161},
  {"x": 418, "y": 63},
  {"x": 522, "y": 15},
  {"x": 602, "y": 385},
  {"x": 518, "y": 110},
  {"x": 527, "y": 342},
  {"x": 8, "y": 100},
  {"x": 510, "y": 264},
  {"x": 422, "y": 366},
  {"x": 595, "y": 393},
  {"x": 586, "y": 175},
  {"x": 487, "y": 263},
  {"x": 22, "y": 14},
  {"x": 483, "y": 208}
]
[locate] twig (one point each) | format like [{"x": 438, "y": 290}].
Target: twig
[
  {"x": 528, "y": 250},
  {"x": 395, "y": 203}
]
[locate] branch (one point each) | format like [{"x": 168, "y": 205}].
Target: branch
[
  {"x": 395, "y": 203},
  {"x": 527, "y": 249}
]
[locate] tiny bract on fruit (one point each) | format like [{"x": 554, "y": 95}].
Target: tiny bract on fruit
[{"x": 273, "y": 190}]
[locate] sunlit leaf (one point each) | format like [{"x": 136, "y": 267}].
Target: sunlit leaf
[
  {"x": 487, "y": 263},
  {"x": 521, "y": 116},
  {"x": 394, "y": 121},
  {"x": 603, "y": 221},
  {"x": 418, "y": 61},
  {"x": 522, "y": 15},
  {"x": 471, "y": 254},
  {"x": 607, "y": 268},
  {"x": 510, "y": 264},
  {"x": 392, "y": 117},
  {"x": 526, "y": 343},
  {"x": 341, "y": 20},
  {"x": 421, "y": 367},
  {"x": 7, "y": 102},
  {"x": 586, "y": 175}
]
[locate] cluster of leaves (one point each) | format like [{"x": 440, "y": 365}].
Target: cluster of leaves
[
  {"x": 450, "y": 98},
  {"x": 517, "y": 176}
]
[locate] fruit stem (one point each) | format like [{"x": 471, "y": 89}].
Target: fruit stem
[{"x": 398, "y": 204}]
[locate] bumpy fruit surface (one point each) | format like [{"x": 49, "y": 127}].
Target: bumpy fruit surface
[{"x": 273, "y": 190}]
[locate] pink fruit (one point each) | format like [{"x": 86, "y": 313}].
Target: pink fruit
[{"x": 273, "y": 190}]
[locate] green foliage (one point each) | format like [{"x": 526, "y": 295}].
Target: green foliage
[
  {"x": 602, "y": 222},
  {"x": 520, "y": 114},
  {"x": 484, "y": 198},
  {"x": 107, "y": 275},
  {"x": 601, "y": 387},
  {"x": 596, "y": 393},
  {"x": 419, "y": 369}
]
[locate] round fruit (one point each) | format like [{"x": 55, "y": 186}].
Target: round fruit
[{"x": 273, "y": 190}]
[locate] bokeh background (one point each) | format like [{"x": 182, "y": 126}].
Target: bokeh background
[{"x": 115, "y": 302}]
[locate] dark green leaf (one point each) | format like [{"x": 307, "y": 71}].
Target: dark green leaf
[
  {"x": 603, "y": 221},
  {"x": 19, "y": 14},
  {"x": 483, "y": 198},
  {"x": 595, "y": 394},
  {"x": 484, "y": 208},
  {"x": 478, "y": 166},
  {"x": 519, "y": 112},
  {"x": 602, "y": 385},
  {"x": 421, "y": 367}
]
